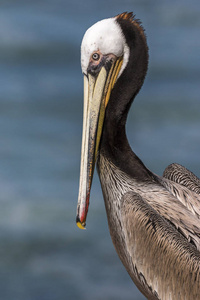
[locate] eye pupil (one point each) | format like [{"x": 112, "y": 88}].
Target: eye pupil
[{"x": 95, "y": 56}]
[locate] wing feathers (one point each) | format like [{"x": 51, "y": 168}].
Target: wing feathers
[
  {"x": 183, "y": 176},
  {"x": 184, "y": 185},
  {"x": 162, "y": 254}
]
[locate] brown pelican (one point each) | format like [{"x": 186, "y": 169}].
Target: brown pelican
[{"x": 153, "y": 221}]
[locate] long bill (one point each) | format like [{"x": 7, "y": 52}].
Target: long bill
[{"x": 96, "y": 96}]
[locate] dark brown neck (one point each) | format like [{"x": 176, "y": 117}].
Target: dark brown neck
[{"x": 114, "y": 143}]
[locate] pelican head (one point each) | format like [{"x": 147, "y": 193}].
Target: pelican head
[{"x": 104, "y": 57}]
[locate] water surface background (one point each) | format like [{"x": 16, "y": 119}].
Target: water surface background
[{"x": 43, "y": 255}]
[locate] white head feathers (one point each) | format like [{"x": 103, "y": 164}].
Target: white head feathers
[{"x": 107, "y": 37}]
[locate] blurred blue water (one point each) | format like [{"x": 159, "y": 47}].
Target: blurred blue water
[{"x": 42, "y": 253}]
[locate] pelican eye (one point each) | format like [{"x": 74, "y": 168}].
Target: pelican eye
[{"x": 95, "y": 56}]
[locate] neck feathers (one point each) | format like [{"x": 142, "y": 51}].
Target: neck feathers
[
  {"x": 114, "y": 143},
  {"x": 129, "y": 82}
]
